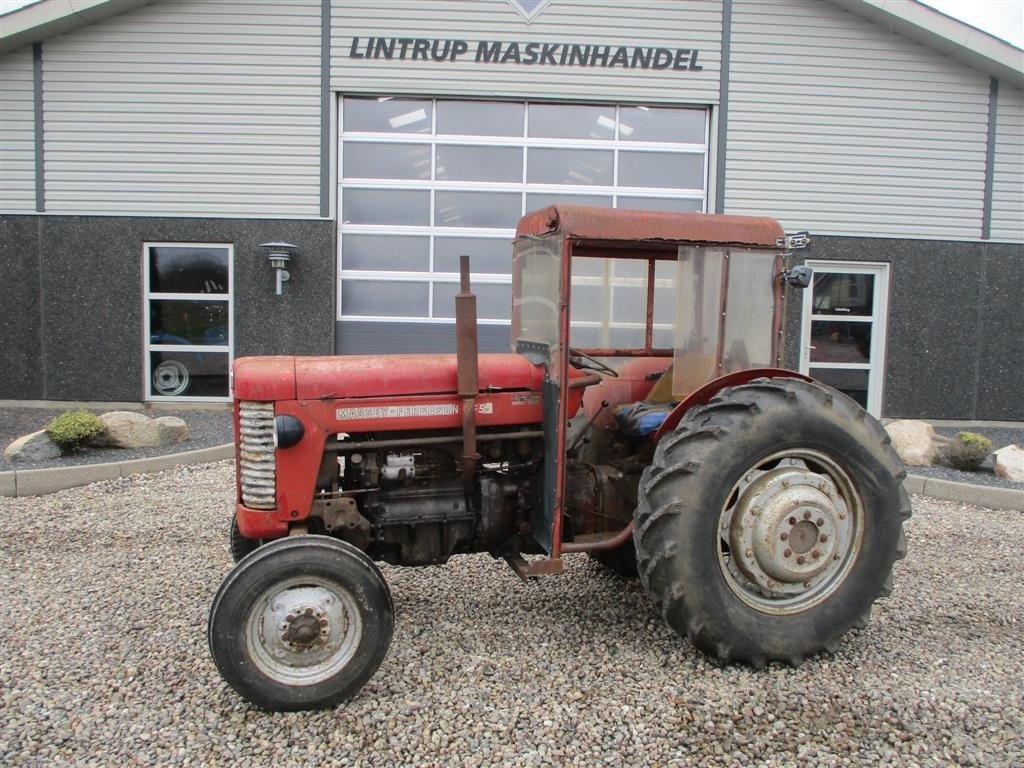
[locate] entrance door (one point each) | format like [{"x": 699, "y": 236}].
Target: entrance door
[
  {"x": 188, "y": 321},
  {"x": 843, "y": 334}
]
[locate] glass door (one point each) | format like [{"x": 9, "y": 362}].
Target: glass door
[
  {"x": 843, "y": 333},
  {"x": 188, "y": 321}
]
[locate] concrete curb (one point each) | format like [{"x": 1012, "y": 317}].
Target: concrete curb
[
  {"x": 977, "y": 495},
  {"x": 36, "y": 482}
]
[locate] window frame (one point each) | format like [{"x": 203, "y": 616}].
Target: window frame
[{"x": 148, "y": 347}]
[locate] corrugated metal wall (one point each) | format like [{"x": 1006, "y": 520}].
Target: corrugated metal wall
[
  {"x": 1008, "y": 180},
  {"x": 196, "y": 107},
  {"x": 666, "y": 23},
  {"x": 837, "y": 126},
  {"x": 17, "y": 126}
]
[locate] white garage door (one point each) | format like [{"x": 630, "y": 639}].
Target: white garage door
[{"x": 425, "y": 180}]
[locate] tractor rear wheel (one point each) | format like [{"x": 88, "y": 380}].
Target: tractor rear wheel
[
  {"x": 769, "y": 521},
  {"x": 301, "y": 623}
]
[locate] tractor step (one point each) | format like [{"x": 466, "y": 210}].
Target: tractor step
[{"x": 527, "y": 569}]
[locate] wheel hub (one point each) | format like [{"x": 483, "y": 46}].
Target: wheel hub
[
  {"x": 305, "y": 629},
  {"x": 789, "y": 530},
  {"x": 301, "y": 633}
]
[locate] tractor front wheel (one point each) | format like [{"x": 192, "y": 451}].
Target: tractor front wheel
[
  {"x": 769, "y": 521},
  {"x": 301, "y": 623}
]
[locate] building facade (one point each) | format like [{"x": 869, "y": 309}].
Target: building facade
[{"x": 149, "y": 148}]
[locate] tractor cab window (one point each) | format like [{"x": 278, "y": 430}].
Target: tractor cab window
[{"x": 724, "y": 314}]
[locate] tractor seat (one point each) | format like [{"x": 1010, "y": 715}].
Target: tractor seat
[{"x": 643, "y": 418}]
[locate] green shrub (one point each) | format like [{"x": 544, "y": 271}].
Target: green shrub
[
  {"x": 72, "y": 429},
  {"x": 968, "y": 450}
]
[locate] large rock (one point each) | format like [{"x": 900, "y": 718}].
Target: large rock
[
  {"x": 128, "y": 429},
  {"x": 1008, "y": 463},
  {"x": 32, "y": 447},
  {"x": 171, "y": 430},
  {"x": 914, "y": 442}
]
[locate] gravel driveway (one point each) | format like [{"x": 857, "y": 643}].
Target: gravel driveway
[{"x": 105, "y": 591}]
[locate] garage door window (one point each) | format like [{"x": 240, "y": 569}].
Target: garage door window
[
  {"x": 424, "y": 180},
  {"x": 187, "y": 321}
]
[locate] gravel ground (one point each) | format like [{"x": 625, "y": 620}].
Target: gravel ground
[
  {"x": 105, "y": 660},
  {"x": 999, "y": 436},
  {"x": 206, "y": 427}
]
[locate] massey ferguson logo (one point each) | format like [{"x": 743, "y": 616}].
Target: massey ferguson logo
[
  {"x": 528, "y": 9},
  {"x": 414, "y": 410}
]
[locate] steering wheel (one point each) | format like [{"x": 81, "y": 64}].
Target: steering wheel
[{"x": 583, "y": 361}]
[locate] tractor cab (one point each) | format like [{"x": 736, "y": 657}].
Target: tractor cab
[{"x": 657, "y": 308}]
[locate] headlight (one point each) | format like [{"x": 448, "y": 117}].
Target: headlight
[{"x": 288, "y": 430}]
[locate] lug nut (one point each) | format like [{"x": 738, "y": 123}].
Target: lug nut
[
  {"x": 800, "y": 560},
  {"x": 807, "y": 515},
  {"x": 784, "y": 536},
  {"x": 824, "y": 538},
  {"x": 792, "y": 521},
  {"x": 749, "y": 553},
  {"x": 787, "y": 553},
  {"x": 815, "y": 554},
  {"x": 820, "y": 521}
]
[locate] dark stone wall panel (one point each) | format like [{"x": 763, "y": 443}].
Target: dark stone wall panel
[
  {"x": 20, "y": 317},
  {"x": 1000, "y": 379},
  {"x": 954, "y": 342},
  {"x": 90, "y": 271},
  {"x": 92, "y": 311}
]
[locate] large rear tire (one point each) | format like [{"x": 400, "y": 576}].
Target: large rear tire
[
  {"x": 769, "y": 521},
  {"x": 301, "y": 623}
]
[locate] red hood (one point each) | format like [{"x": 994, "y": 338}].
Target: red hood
[{"x": 313, "y": 378}]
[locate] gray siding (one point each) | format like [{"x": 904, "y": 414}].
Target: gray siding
[
  {"x": 196, "y": 107},
  {"x": 659, "y": 23},
  {"x": 840, "y": 127},
  {"x": 17, "y": 126},
  {"x": 1008, "y": 180}
]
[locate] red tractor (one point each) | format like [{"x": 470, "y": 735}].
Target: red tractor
[{"x": 640, "y": 419}]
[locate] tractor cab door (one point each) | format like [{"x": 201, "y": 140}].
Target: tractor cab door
[{"x": 540, "y": 324}]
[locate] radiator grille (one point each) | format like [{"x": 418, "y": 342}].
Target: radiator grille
[{"x": 256, "y": 454}]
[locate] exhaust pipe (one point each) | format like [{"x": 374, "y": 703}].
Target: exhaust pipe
[{"x": 466, "y": 354}]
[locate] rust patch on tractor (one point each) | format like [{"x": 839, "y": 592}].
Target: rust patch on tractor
[{"x": 614, "y": 224}]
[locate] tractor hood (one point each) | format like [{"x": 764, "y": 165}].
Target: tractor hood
[{"x": 315, "y": 378}]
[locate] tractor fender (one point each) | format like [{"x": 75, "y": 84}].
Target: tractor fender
[{"x": 713, "y": 387}]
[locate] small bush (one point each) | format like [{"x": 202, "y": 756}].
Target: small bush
[
  {"x": 72, "y": 429},
  {"x": 968, "y": 450}
]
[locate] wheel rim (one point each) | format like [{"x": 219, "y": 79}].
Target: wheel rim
[
  {"x": 170, "y": 378},
  {"x": 303, "y": 631},
  {"x": 790, "y": 531}
]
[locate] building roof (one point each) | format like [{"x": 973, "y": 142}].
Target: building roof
[{"x": 48, "y": 18}]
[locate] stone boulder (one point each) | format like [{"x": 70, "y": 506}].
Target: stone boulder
[
  {"x": 34, "y": 446},
  {"x": 171, "y": 430},
  {"x": 1008, "y": 463},
  {"x": 130, "y": 429},
  {"x": 914, "y": 442}
]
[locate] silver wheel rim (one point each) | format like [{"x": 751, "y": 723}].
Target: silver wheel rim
[
  {"x": 170, "y": 378},
  {"x": 303, "y": 631},
  {"x": 790, "y": 531}
]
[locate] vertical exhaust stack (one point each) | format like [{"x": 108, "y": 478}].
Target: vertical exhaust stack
[{"x": 468, "y": 378}]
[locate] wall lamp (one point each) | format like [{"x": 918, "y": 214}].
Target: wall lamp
[{"x": 280, "y": 254}]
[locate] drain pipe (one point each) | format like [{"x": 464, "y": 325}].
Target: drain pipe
[{"x": 468, "y": 378}]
